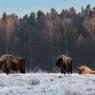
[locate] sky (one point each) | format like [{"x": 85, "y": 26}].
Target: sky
[{"x": 21, "y": 7}]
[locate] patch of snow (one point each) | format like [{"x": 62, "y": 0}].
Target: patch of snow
[{"x": 47, "y": 84}]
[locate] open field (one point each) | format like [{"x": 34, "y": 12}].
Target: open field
[{"x": 47, "y": 84}]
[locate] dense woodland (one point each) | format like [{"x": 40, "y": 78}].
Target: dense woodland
[{"x": 41, "y": 37}]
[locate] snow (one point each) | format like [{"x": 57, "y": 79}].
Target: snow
[{"x": 47, "y": 84}]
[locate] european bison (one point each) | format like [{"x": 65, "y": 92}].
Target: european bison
[
  {"x": 65, "y": 64},
  {"x": 85, "y": 70},
  {"x": 13, "y": 63}
]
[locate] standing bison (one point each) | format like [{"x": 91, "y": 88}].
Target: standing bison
[
  {"x": 85, "y": 70},
  {"x": 11, "y": 63},
  {"x": 65, "y": 64}
]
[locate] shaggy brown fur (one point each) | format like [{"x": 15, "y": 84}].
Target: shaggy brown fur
[
  {"x": 13, "y": 63},
  {"x": 65, "y": 64},
  {"x": 85, "y": 70}
]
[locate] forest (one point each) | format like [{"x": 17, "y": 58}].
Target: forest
[{"x": 41, "y": 37}]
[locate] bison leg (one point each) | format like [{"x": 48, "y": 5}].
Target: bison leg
[
  {"x": 68, "y": 68},
  {"x": 8, "y": 72},
  {"x": 5, "y": 69},
  {"x": 22, "y": 70},
  {"x": 63, "y": 69},
  {"x": 71, "y": 67}
]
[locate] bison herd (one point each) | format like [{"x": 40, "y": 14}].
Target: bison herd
[
  {"x": 65, "y": 65},
  {"x": 10, "y": 63}
]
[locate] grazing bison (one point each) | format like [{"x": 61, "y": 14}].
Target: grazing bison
[
  {"x": 85, "y": 70},
  {"x": 65, "y": 64},
  {"x": 13, "y": 63}
]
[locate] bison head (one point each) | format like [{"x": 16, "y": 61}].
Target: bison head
[{"x": 63, "y": 60}]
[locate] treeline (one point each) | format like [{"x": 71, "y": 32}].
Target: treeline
[{"x": 41, "y": 37}]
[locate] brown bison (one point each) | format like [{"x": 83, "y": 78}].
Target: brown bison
[
  {"x": 65, "y": 64},
  {"x": 85, "y": 70},
  {"x": 12, "y": 63}
]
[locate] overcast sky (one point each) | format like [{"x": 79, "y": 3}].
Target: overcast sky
[{"x": 21, "y": 7}]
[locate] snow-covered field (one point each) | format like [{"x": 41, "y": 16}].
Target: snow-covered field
[{"x": 47, "y": 84}]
